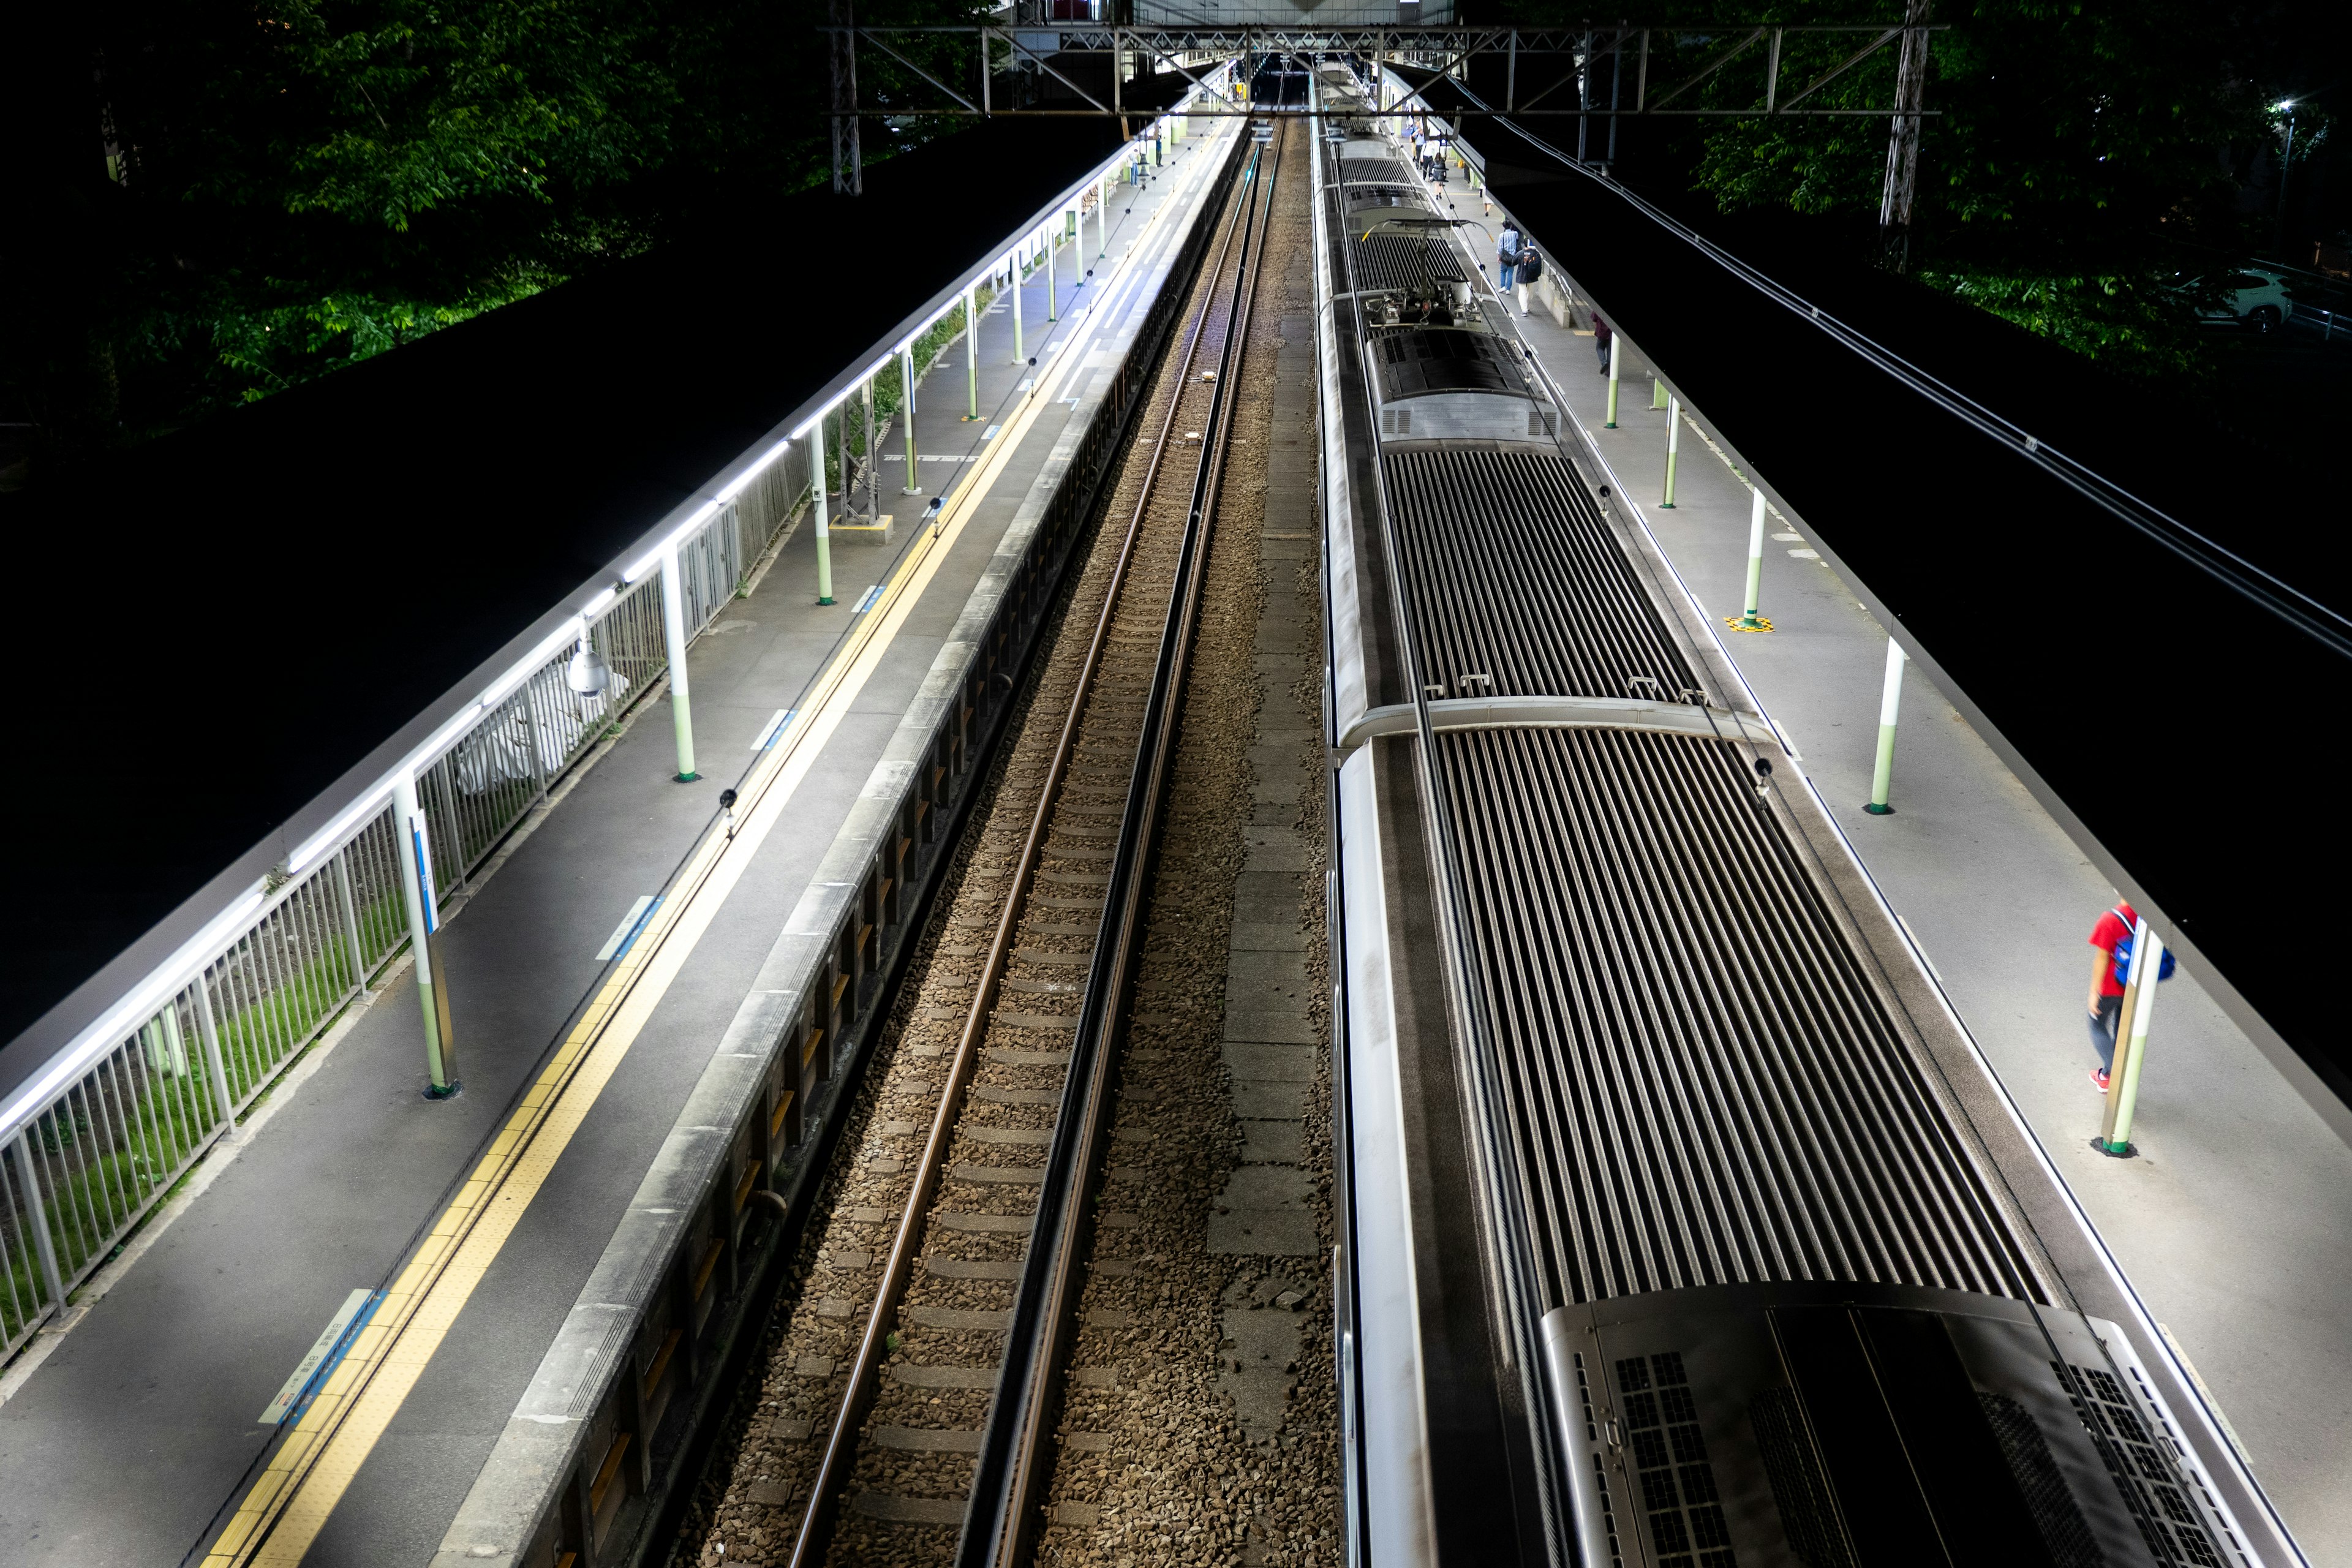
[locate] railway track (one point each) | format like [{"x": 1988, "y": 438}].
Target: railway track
[{"x": 935, "y": 1437}]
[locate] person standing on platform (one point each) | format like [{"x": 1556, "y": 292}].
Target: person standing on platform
[
  {"x": 1507, "y": 255},
  {"x": 1601, "y": 336},
  {"x": 2106, "y": 998}
]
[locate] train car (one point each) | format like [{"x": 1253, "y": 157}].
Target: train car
[{"x": 1683, "y": 1227}]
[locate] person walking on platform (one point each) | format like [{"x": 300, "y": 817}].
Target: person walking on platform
[
  {"x": 2106, "y": 998},
  {"x": 1507, "y": 255},
  {"x": 1601, "y": 336}
]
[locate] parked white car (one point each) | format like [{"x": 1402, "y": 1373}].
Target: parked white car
[{"x": 2253, "y": 298}]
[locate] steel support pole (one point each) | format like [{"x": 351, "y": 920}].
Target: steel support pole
[
  {"x": 848, "y": 166},
  {"x": 823, "y": 536},
  {"x": 1616, "y": 92},
  {"x": 2131, "y": 1041},
  {"x": 970, "y": 348},
  {"x": 1747, "y": 620},
  {"x": 1889, "y": 702},
  {"x": 841, "y": 444},
  {"x": 681, "y": 709},
  {"x": 872, "y": 454},
  {"x": 37, "y": 1219},
  {"x": 1012, "y": 264},
  {"x": 1102, "y": 211},
  {"x": 1673, "y": 445},
  {"x": 907, "y": 408},
  {"x": 423, "y": 920},
  {"x": 1903, "y": 139},
  {"x": 1053, "y": 306},
  {"x": 1616, "y": 341}
]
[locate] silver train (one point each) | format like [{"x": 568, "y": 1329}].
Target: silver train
[{"x": 1682, "y": 1226}]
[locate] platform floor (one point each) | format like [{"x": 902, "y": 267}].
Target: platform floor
[
  {"x": 2235, "y": 1225},
  {"x": 125, "y": 1427}
]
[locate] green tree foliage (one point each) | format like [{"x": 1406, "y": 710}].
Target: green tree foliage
[
  {"x": 2076, "y": 167},
  {"x": 223, "y": 199}
]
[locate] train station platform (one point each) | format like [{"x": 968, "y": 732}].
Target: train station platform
[
  {"x": 131, "y": 1426},
  {"x": 2235, "y": 1224}
]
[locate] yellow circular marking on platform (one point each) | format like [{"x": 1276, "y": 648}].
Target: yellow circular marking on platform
[{"x": 1740, "y": 624}]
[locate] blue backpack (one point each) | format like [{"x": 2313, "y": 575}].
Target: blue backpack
[{"x": 2123, "y": 956}]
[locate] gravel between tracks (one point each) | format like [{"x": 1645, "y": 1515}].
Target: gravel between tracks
[{"x": 1154, "y": 1465}]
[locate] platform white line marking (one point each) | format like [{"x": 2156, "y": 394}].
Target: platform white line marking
[
  {"x": 618, "y": 943},
  {"x": 324, "y": 1346}
]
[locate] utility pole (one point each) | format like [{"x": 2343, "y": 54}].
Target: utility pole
[
  {"x": 848, "y": 169},
  {"x": 1903, "y": 142}
]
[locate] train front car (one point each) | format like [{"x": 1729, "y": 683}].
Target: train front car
[{"x": 1730, "y": 1278}]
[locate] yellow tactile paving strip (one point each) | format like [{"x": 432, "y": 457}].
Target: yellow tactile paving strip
[{"x": 287, "y": 1507}]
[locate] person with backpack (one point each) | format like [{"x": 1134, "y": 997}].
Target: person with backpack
[
  {"x": 2110, "y": 970},
  {"x": 1531, "y": 266},
  {"x": 1507, "y": 255},
  {"x": 1601, "y": 336}
]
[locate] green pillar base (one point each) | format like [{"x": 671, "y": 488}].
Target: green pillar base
[
  {"x": 444, "y": 1090},
  {"x": 2115, "y": 1151},
  {"x": 1877, "y": 810},
  {"x": 1611, "y": 424},
  {"x": 686, "y": 778},
  {"x": 1665, "y": 506},
  {"x": 1748, "y": 623}
]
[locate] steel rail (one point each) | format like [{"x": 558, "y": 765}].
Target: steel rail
[
  {"x": 1014, "y": 1471},
  {"x": 842, "y": 1444}
]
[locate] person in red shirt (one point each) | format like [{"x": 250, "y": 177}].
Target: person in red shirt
[{"x": 2106, "y": 998}]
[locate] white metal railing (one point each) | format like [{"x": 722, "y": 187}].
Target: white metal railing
[
  {"x": 95, "y": 1139},
  {"x": 84, "y": 1158}
]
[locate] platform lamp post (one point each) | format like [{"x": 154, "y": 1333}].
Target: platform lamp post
[
  {"x": 1673, "y": 445},
  {"x": 972, "y": 346},
  {"x": 2131, "y": 1041},
  {"x": 681, "y": 710},
  {"x": 1747, "y": 620},
  {"x": 1013, "y": 267},
  {"x": 423, "y": 932},
  {"x": 907, "y": 387},
  {"x": 824, "y": 529},
  {"x": 1883, "y": 776},
  {"x": 1615, "y": 343}
]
